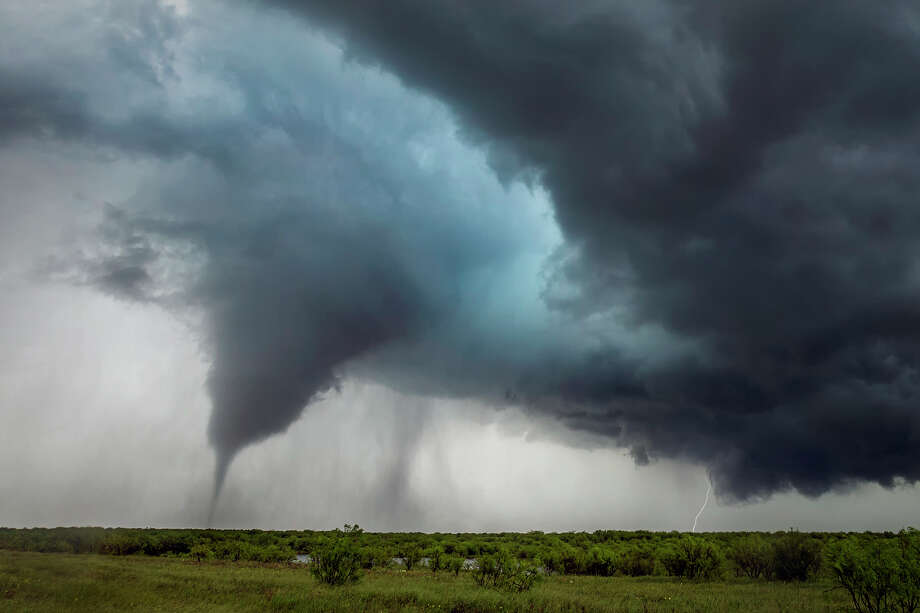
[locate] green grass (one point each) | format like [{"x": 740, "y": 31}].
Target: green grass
[{"x": 67, "y": 582}]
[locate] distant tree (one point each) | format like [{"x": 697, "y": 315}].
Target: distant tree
[
  {"x": 436, "y": 559},
  {"x": 382, "y": 558},
  {"x": 796, "y": 557},
  {"x": 601, "y": 562},
  {"x": 271, "y": 553},
  {"x": 551, "y": 561},
  {"x": 751, "y": 557},
  {"x": 353, "y": 530},
  {"x": 201, "y": 552},
  {"x": 572, "y": 560},
  {"x": 637, "y": 561},
  {"x": 881, "y": 576},
  {"x": 412, "y": 556},
  {"x": 693, "y": 558}
]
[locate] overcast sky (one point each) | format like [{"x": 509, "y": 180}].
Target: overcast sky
[{"x": 459, "y": 266}]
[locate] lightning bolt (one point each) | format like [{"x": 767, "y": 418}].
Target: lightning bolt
[{"x": 702, "y": 508}]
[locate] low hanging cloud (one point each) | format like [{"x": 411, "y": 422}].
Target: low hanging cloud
[{"x": 688, "y": 228}]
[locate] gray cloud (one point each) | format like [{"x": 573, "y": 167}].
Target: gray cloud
[
  {"x": 734, "y": 187},
  {"x": 740, "y": 175}
]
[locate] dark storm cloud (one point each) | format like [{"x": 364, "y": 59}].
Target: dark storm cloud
[
  {"x": 744, "y": 174},
  {"x": 736, "y": 186},
  {"x": 31, "y": 106}
]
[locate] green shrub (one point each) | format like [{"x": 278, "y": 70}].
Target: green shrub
[
  {"x": 376, "y": 557},
  {"x": 795, "y": 557},
  {"x": 751, "y": 557},
  {"x": 272, "y": 553},
  {"x": 121, "y": 544},
  {"x": 229, "y": 550},
  {"x": 693, "y": 558},
  {"x": 486, "y": 572},
  {"x": 412, "y": 556},
  {"x": 637, "y": 562},
  {"x": 455, "y": 565},
  {"x": 201, "y": 552},
  {"x": 436, "y": 559},
  {"x": 572, "y": 561},
  {"x": 909, "y": 545},
  {"x": 882, "y": 576},
  {"x": 503, "y": 572},
  {"x": 468, "y": 549},
  {"x": 600, "y": 562},
  {"x": 551, "y": 561},
  {"x": 337, "y": 559}
]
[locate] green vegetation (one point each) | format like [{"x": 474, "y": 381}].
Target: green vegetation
[
  {"x": 502, "y": 572},
  {"x": 752, "y": 557},
  {"x": 39, "y": 583},
  {"x": 693, "y": 558},
  {"x": 354, "y": 570},
  {"x": 880, "y": 575},
  {"x": 795, "y": 557},
  {"x": 337, "y": 560}
]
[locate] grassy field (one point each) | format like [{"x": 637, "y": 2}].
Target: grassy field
[{"x": 81, "y": 582}]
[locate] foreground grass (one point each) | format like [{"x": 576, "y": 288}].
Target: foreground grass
[{"x": 65, "y": 582}]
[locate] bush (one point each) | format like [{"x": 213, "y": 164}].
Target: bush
[
  {"x": 272, "y": 553},
  {"x": 376, "y": 557},
  {"x": 909, "y": 546},
  {"x": 412, "y": 556},
  {"x": 229, "y": 550},
  {"x": 796, "y": 557},
  {"x": 572, "y": 561},
  {"x": 121, "y": 544},
  {"x": 552, "y": 562},
  {"x": 751, "y": 557},
  {"x": 436, "y": 560},
  {"x": 455, "y": 565},
  {"x": 637, "y": 562},
  {"x": 883, "y": 577},
  {"x": 600, "y": 562},
  {"x": 201, "y": 552},
  {"x": 503, "y": 572},
  {"x": 337, "y": 560},
  {"x": 693, "y": 558}
]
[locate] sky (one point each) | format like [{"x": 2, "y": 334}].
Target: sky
[{"x": 459, "y": 266}]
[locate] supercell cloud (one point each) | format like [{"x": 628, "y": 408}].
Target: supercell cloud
[{"x": 691, "y": 228}]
